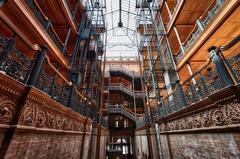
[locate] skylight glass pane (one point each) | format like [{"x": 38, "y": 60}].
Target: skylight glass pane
[{"x": 121, "y": 40}]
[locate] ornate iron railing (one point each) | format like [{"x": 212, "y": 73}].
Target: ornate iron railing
[
  {"x": 112, "y": 150},
  {"x": 150, "y": 117},
  {"x": 234, "y": 63},
  {"x": 125, "y": 89},
  {"x": 122, "y": 110},
  {"x": 204, "y": 82},
  {"x": 201, "y": 84},
  {"x": 14, "y": 62},
  {"x": 141, "y": 122},
  {"x": 60, "y": 89},
  {"x": 39, "y": 15},
  {"x": 123, "y": 70}
]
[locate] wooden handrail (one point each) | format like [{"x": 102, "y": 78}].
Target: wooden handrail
[
  {"x": 229, "y": 45},
  {"x": 84, "y": 98},
  {"x": 69, "y": 83}
]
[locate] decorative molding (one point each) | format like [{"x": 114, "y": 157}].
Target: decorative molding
[
  {"x": 217, "y": 116},
  {"x": 36, "y": 115},
  {"x": 10, "y": 93},
  {"x": 7, "y": 109},
  {"x": 39, "y": 110}
]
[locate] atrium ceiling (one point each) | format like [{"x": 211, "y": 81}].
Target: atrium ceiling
[{"x": 121, "y": 28}]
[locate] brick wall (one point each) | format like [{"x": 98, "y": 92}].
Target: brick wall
[
  {"x": 44, "y": 145},
  {"x": 204, "y": 145}
]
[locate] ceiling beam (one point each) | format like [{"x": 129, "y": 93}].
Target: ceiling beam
[{"x": 122, "y": 11}]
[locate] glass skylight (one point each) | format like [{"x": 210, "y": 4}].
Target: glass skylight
[{"x": 121, "y": 28}]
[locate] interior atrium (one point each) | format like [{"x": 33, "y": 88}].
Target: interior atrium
[{"x": 119, "y": 79}]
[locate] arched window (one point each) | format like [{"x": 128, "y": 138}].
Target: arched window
[{"x": 123, "y": 141}]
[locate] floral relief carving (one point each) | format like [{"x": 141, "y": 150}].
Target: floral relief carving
[
  {"x": 29, "y": 114},
  {"x": 196, "y": 122},
  {"x": 218, "y": 117},
  {"x": 233, "y": 114},
  {"x": 7, "y": 110},
  {"x": 50, "y": 120},
  {"x": 206, "y": 118},
  {"x": 59, "y": 122},
  {"x": 227, "y": 114},
  {"x": 39, "y": 116}
]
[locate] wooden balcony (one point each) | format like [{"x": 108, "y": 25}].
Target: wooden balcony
[
  {"x": 21, "y": 19},
  {"x": 219, "y": 31}
]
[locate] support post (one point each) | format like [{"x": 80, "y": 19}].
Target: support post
[
  {"x": 134, "y": 95},
  {"x": 66, "y": 40},
  {"x": 180, "y": 94},
  {"x": 221, "y": 68},
  {"x": 37, "y": 67},
  {"x": 200, "y": 25}
]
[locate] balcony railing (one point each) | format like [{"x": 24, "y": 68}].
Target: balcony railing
[
  {"x": 131, "y": 74},
  {"x": 208, "y": 80},
  {"x": 234, "y": 63},
  {"x": 149, "y": 118},
  {"x": 53, "y": 83},
  {"x": 141, "y": 122},
  {"x": 45, "y": 22},
  {"x": 200, "y": 25},
  {"x": 122, "y": 110},
  {"x": 14, "y": 62},
  {"x": 125, "y": 89}
]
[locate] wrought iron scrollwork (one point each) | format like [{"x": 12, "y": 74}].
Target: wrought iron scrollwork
[
  {"x": 14, "y": 62},
  {"x": 234, "y": 63}
]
